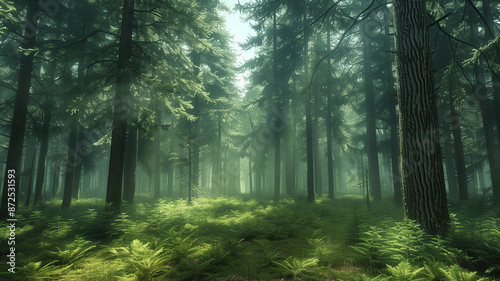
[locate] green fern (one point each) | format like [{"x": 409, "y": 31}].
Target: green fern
[
  {"x": 35, "y": 271},
  {"x": 405, "y": 271},
  {"x": 296, "y": 267}
]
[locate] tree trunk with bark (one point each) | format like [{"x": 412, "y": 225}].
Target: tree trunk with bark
[
  {"x": 120, "y": 112},
  {"x": 309, "y": 133},
  {"x": 15, "y": 151},
  {"x": 71, "y": 161},
  {"x": 371, "y": 130},
  {"x": 129, "y": 178},
  {"x": 44, "y": 147},
  {"x": 421, "y": 161}
]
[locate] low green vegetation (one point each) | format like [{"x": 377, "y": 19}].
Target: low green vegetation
[{"x": 237, "y": 239}]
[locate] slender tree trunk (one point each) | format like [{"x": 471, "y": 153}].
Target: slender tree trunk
[
  {"x": 28, "y": 168},
  {"x": 309, "y": 134},
  {"x": 457, "y": 144},
  {"x": 290, "y": 154},
  {"x": 487, "y": 117},
  {"x": 31, "y": 158},
  {"x": 396, "y": 176},
  {"x": 250, "y": 187},
  {"x": 170, "y": 172},
  {"x": 130, "y": 165},
  {"x": 118, "y": 135},
  {"x": 495, "y": 74},
  {"x": 371, "y": 131},
  {"x": 15, "y": 151},
  {"x": 421, "y": 161},
  {"x": 71, "y": 163},
  {"x": 258, "y": 172},
  {"x": 277, "y": 124},
  {"x": 453, "y": 193},
  {"x": 77, "y": 174},
  {"x": 157, "y": 158},
  {"x": 56, "y": 171},
  {"x": 196, "y": 126},
  {"x": 42, "y": 158},
  {"x": 329, "y": 125}
]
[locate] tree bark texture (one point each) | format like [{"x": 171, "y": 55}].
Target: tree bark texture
[{"x": 421, "y": 161}]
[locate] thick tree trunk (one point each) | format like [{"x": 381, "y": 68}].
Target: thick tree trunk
[
  {"x": 371, "y": 131},
  {"x": 15, "y": 151},
  {"x": 118, "y": 135},
  {"x": 421, "y": 161},
  {"x": 42, "y": 158}
]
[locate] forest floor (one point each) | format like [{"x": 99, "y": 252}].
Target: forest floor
[{"x": 238, "y": 239}]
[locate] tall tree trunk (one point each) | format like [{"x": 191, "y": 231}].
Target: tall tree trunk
[
  {"x": 44, "y": 147},
  {"x": 56, "y": 171},
  {"x": 396, "y": 176},
  {"x": 457, "y": 144},
  {"x": 77, "y": 174},
  {"x": 196, "y": 125},
  {"x": 157, "y": 157},
  {"x": 71, "y": 163},
  {"x": 289, "y": 153},
  {"x": 371, "y": 130},
  {"x": 31, "y": 159},
  {"x": 258, "y": 171},
  {"x": 15, "y": 151},
  {"x": 25, "y": 180},
  {"x": 329, "y": 125},
  {"x": 453, "y": 193},
  {"x": 487, "y": 117},
  {"x": 421, "y": 161},
  {"x": 170, "y": 172},
  {"x": 309, "y": 134},
  {"x": 130, "y": 165},
  {"x": 250, "y": 185},
  {"x": 118, "y": 135},
  {"x": 495, "y": 74},
  {"x": 277, "y": 124}
]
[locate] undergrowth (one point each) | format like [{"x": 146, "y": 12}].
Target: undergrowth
[{"x": 236, "y": 239}]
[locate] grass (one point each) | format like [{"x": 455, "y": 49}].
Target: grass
[{"x": 236, "y": 239}]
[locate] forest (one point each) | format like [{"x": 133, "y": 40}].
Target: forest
[{"x": 338, "y": 140}]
